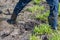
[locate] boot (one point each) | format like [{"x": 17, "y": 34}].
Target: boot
[{"x": 13, "y": 19}]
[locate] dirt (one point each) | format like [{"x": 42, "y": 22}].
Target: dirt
[{"x": 24, "y": 26}]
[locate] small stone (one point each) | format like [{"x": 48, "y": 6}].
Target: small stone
[
  {"x": 4, "y": 35},
  {"x": 15, "y": 32}
]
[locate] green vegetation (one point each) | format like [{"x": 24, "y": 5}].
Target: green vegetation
[
  {"x": 33, "y": 9},
  {"x": 39, "y": 12},
  {"x": 43, "y": 28},
  {"x": 43, "y": 16},
  {"x": 36, "y": 8},
  {"x": 55, "y": 36},
  {"x": 33, "y": 37},
  {"x": 36, "y": 1}
]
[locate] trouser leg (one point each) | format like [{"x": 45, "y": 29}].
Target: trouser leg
[
  {"x": 53, "y": 13},
  {"x": 20, "y": 5}
]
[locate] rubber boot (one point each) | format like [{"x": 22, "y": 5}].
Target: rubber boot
[{"x": 13, "y": 19}]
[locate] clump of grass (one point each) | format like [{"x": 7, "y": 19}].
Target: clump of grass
[
  {"x": 40, "y": 17},
  {"x": 33, "y": 37},
  {"x": 36, "y": 1},
  {"x": 36, "y": 8},
  {"x": 43, "y": 16},
  {"x": 55, "y": 36},
  {"x": 42, "y": 29},
  {"x": 46, "y": 14}
]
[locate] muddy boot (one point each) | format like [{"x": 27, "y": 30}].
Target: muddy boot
[{"x": 13, "y": 19}]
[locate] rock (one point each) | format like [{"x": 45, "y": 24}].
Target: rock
[
  {"x": 29, "y": 24},
  {"x": 25, "y": 36},
  {"x": 15, "y": 32},
  {"x": 4, "y": 35},
  {"x": 44, "y": 37},
  {"x": 6, "y": 29}
]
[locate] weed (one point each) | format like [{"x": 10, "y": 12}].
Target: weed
[
  {"x": 36, "y": 1},
  {"x": 55, "y": 36},
  {"x": 43, "y": 16},
  {"x": 36, "y": 8},
  {"x": 42, "y": 29},
  {"x": 33, "y": 37}
]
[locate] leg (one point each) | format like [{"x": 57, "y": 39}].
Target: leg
[
  {"x": 20, "y": 5},
  {"x": 53, "y": 13}
]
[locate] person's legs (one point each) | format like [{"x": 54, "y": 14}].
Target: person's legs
[
  {"x": 20, "y": 5},
  {"x": 53, "y": 13}
]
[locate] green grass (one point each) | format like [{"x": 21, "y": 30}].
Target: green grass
[
  {"x": 33, "y": 9},
  {"x": 36, "y": 1},
  {"x": 55, "y": 36},
  {"x": 43, "y": 16},
  {"x": 42, "y": 29},
  {"x": 46, "y": 29},
  {"x": 33, "y": 37},
  {"x": 36, "y": 8},
  {"x": 40, "y": 17}
]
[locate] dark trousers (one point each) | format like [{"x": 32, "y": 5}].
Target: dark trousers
[
  {"x": 53, "y": 10},
  {"x": 19, "y": 6}
]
